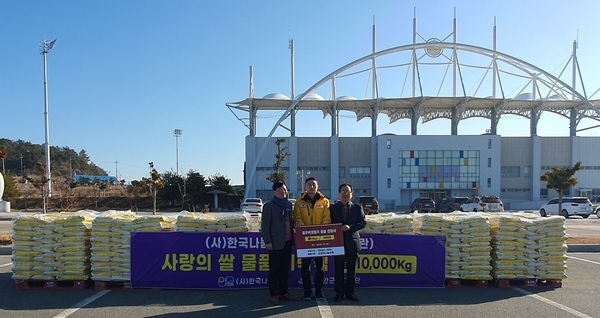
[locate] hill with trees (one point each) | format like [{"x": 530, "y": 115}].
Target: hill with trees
[{"x": 23, "y": 167}]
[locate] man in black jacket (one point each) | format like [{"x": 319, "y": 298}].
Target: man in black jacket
[
  {"x": 352, "y": 218},
  {"x": 277, "y": 226}
]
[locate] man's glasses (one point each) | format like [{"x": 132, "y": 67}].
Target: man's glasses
[{"x": 345, "y": 192}]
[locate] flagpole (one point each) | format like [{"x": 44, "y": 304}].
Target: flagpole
[{"x": 45, "y": 47}]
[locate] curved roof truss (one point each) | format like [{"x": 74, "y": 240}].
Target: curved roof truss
[{"x": 510, "y": 86}]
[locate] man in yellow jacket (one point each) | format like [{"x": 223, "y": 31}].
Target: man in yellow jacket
[{"x": 312, "y": 208}]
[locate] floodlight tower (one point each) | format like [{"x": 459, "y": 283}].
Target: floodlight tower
[
  {"x": 45, "y": 47},
  {"x": 177, "y": 133}
]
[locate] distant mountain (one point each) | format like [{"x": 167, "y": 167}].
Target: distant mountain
[{"x": 24, "y": 158}]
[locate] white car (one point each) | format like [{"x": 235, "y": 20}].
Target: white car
[
  {"x": 252, "y": 205},
  {"x": 570, "y": 206},
  {"x": 487, "y": 203},
  {"x": 596, "y": 206}
]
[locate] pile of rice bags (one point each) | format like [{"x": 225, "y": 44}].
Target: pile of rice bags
[
  {"x": 467, "y": 242},
  {"x": 110, "y": 239},
  {"x": 52, "y": 246}
]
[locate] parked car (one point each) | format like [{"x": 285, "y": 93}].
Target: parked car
[
  {"x": 570, "y": 206},
  {"x": 439, "y": 203},
  {"x": 596, "y": 206},
  {"x": 423, "y": 205},
  {"x": 448, "y": 205},
  {"x": 252, "y": 205},
  {"x": 369, "y": 203},
  {"x": 487, "y": 203}
]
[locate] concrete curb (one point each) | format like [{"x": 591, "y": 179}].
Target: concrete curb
[
  {"x": 6, "y": 250},
  {"x": 583, "y": 248}
]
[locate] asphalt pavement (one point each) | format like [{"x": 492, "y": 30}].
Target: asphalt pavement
[{"x": 576, "y": 298}]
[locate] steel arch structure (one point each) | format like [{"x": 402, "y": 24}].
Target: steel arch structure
[{"x": 545, "y": 92}]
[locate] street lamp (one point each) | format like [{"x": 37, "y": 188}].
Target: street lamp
[
  {"x": 302, "y": 175},
  {"x": 45, "y": 47},
  {"x": 177, "y": 133}
]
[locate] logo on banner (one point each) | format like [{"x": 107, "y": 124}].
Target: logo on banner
[{"x": 226, "y": 281}]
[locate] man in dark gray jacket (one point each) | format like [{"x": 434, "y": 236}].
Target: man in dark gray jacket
[
  {"x": 352, "y": 218},
  {"x": 277, "y": 227}
]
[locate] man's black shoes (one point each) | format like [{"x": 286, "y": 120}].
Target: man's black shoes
[
  {"x": 307, "y": 295},
  {"x": 319, "y": 294},
  {"x": 338, "y": 298},
  {"x": 352, "y": 297}
]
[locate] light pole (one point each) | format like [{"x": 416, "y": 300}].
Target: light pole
[
  {"x": 177, "y": 133},
  {"x": 302, "y": 175},
  {"x": 45, "y": 47}
]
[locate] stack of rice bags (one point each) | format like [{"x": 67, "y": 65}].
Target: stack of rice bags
[
  {"x": 469, "y": 245},
  {"x": 388, "y": 223},
  {"x": 28, "y": 236},
  {"x": 52, "y": 246},
  {"x": 548, "y": 239},
  {"x": 513, "y": 250},
  {"x": 111, "y": 241},
  {"x": 201, "y": 222},
  {"x": 467, "y": 242}
]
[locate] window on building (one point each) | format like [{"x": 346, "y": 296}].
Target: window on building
[
  {"x": 510, "y": 171},
  {"x": 342, "y": 171},
  {"x": 389, "y": 144},
  {"x": 389, "y": 183},
  {"x": 489, "y": 182},
  {"x": 489, "y": 144},
  {"x": 438, "y": 169},
  {"x": 360, "y": 172},
  {"x": 527, "y": 171},
  {"x": 489, "y": 162},
  {"x": 389, "y": 162}
]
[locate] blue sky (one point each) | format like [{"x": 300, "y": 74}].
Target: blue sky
[{"x": 124, "y": 74}]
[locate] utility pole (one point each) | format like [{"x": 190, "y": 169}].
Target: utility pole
[{"x": 45, "y": 47}]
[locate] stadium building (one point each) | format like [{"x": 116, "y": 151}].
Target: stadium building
[{"x": 418, "y": 83}]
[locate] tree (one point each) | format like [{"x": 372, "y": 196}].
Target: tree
[
  {"x": 11, "y": 192},
  {"x": 3, "y": 155},
  {"x": 135, "y": 191},
  {"x": 220, "y": 182},
  {"x": 40, "y": 182},
  {"x": 154, "y": 183},
  {"x": 561, "y": 179},
  {"x": 172, "y": 191},
  {"x": 279, "y": 174},
  {"x": 196, "y": 188}
]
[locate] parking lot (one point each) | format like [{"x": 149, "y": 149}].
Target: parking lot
[{"x": 577, "y": 297}]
